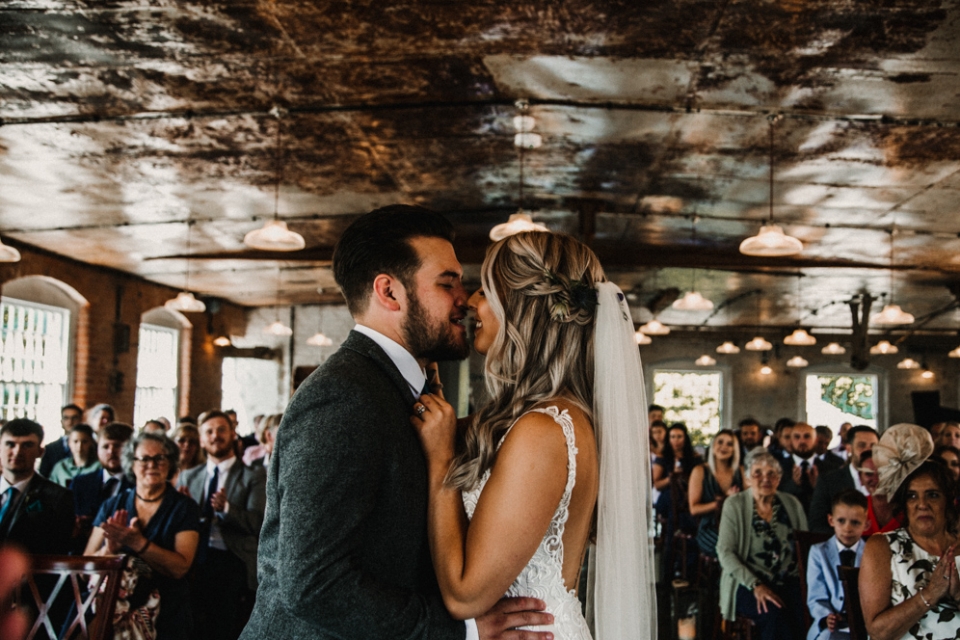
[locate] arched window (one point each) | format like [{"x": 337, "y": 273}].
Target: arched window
[
  {"x": 159, "y": 362},
  {"x": 38, "y": 331}
]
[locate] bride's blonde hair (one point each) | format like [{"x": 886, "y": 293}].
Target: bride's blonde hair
[{"x": 541, "y": 288}]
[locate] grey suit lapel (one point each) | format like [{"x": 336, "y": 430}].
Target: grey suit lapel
[{"x": 366, "y": 347}]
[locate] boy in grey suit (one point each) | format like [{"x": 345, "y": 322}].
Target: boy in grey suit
[{"x": 343, "y": 549}]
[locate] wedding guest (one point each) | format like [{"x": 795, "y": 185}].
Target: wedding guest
[
  {"x": 711, "y": 483},
  {"x": 187, "y": 437},
  {"x": 908, "y": 579},
  {"x": 100, "y": 416},
  {"x": 800, "y": 468},
  {"x": 759, "y": 578},
  {"x": 825, "y": 596},
  {"x": 156, "y": 523},
  {"x": 55, "y": 451},
  {"x": 83, "y": 458},
  {"x": 266, "y": 428},
  {"x": 859, "y": 439},
  {"x": 658, "y": 438},
  {"x": 881, "y": 517},
  {"x": 841, "y": 449},
  {"x": 951, "y": 457},
  {"x": 781, "y": 444},
  {"x": 91, "y": 490},
  {"x": 950, "y": 435},
  {"x": 654, "y": 413},
  {"x": 155, "y": 425},
  {"x": 750, "y": 434},
  {"x": 678, "y": 457}
]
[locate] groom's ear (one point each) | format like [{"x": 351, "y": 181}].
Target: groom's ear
[{"x": 388, "y": 292}]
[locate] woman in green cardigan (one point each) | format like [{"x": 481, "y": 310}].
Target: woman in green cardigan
[{"x": 759, "y": 576}]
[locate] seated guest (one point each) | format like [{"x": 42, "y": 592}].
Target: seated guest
[
  {"x": 759, "y": 577},
  {"x": 800, "y": 469},
  {"x": 100, "y": 416},
  {"x": 83, "y": 458},
  {"x": 880, "y": 515},
  {"x": 950, "y": 434},
  {"x": 35, "y": 513},
  {"x": 658, "y": 438},
  {"x": 678, "y": 457},
  {"x": 157, "y": 524},
  {"x": 951, "y": 457},
  {"x": 826, "y": 460},
  {"x": 848, "y": 517},
  {"x": 711, "y": 483},
  {"x": 859, "y": 439},
  {"x": 70, "y": 416},
  {"x": 908, "y": 577},
  {"x": 187, "y": 437},
  {"x": 750, "y": 434},
  {"x": 255, "y": 452},
  {"x": 155, "y": 425},
  {"x": 781, "y": 444},
  {"x": 841, "y": 449},
  {"x": 91, "y": 490},
  {"x": 268, "y": 437}
]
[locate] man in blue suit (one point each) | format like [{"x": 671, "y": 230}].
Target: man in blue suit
[
  {"x": 90, "y": 490},
  {"x": 848, "y": 517},
  {"x": 54, "y": 452}
]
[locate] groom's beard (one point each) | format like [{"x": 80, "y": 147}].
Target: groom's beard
[{"x": 433, "y": 340}]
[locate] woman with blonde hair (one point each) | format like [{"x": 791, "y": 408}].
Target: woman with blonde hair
[
  {"x": 512, "y": 507},
  {"x": 713, "y": 482}
]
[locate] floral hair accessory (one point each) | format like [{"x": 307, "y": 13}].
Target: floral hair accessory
[
  {"x": 901, "y": 450},
  {"x": 574, "y": 296}
]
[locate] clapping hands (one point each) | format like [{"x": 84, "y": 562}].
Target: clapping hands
[{"x": 119, "y": 534}]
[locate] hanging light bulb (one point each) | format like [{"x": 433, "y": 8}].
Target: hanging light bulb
[
  {"x": 692, "y": 301},
  {"x": 908, "y": 363},
  {"x": 655, "y": 328},
  {"x": 518, "y": 222},
  {"x": 185, "y": 302},
  {"x": 222, "y": 341},
  {"x": 642, "y": 338},
  {"x": 758, "y": 344},
  {"x": 319, "y": 340},
  {"x": 277, "y": 328},
  {"x": 883, "y": 348},
  {"x": 274, "y": 235},
  {"x": 955, "y": 353},
  {"x": 927, "y": 374},
  {"x": 8, "y": 253},
  {"x": 728, "y": 347},
  {"x": 705, "y": 361},
  {"x": 797, "y": 361},
  {"x": 765, "y": 370},
  {"x": 771, "y": 242},
  {"x": 833, "y": 349},
  {"x": 800, "y": 338},
  {"x": 892, "y": 314}
]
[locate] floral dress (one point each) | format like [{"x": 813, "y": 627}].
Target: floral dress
[{"x": 911, "y": 567}]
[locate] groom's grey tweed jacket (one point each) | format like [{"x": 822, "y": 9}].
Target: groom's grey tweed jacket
[{"x": 343, "y": 549}]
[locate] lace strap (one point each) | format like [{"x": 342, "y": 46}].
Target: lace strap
[{"x": 554, "y": 538}]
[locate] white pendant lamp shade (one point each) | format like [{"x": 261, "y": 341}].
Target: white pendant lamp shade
[
  {"x": 893, "y": 314},
  {"x": 693, "y": 301},
  {"x": 955, "y": 353},
  {"x": 800, "y": 338},
  {"x": 705, "y": 361},
  {"x": 771, "y": 242},
  {"x": 518, "y": 222},
  {"x": 883, "y": 348},
  {"x": 908, "y": 363},
  {"x": 8, "y": 253},
  {"x": 765, "y": 370},
  {"x": 797, "y": 361},
  {"x": 758, "y": 344},
  {"x": 655, "y": 328},
  {"x": 728, "y": 347},
  {"x": 927, "y": 374},
  {"x": 277, "y": 328},
  {"x": 222, "y": 341},
  {"x": 642, "y": 338},
  {"x": 319, "y": 340},
  {"x": 274, "y": 236},
  {"x": 833, "y": 349},
  {"x": 185, "y": 302}
]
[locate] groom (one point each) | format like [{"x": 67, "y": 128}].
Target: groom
[{"x": 343, "y": 549}]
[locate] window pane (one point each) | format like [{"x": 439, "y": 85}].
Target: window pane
[
  {"x": 157, "y": 369},
  {"x": 33, "y": 361},
  {"x": 833, "y": 399},
  {"x": 691, "y": 397}
]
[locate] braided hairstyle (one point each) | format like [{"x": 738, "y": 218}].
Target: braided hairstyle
[{"x": 541, "y": 288}]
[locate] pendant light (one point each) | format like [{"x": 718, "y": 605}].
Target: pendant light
[
  {"x": 642, "y": 338},
  {"x": 655, "y": 328},
  {"x": 892, "y": 313},
  {"x": 185, "y": 302},
  {"x": 705, "y": 361},
  {"x": 222, "y": 341},
  {"x": 883, "y": 348},
  {"x": 833, "y": 349},
  {"x": 524, "y": 139},
  {"x": 908, "y": 363},
  {"x": 728, "y": 348},
  {"x": 771, "y": 241},
  {"x": 274, "y": 235},
  {"x": 797, "y": 361},
  {"x": 692, "y": 300},
  {"x": 758, "y": 344},
  {"x": 955, "y": 353},
  {"x": 319, "y": 339},
  {"x": 8, "y": 253},
  {"x": 800, "y": 337},
  {"x": 277, "y": 328}
]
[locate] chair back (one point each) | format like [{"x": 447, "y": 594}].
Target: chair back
[
  {"x": 850, "y": 579},
  {"x": 803, "y": 541},
  {"x": 90, "y": 582}
]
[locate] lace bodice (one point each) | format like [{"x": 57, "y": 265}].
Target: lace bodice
[{"x": 543, "y": 576}]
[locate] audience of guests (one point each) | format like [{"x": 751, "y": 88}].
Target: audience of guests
[
  {"x": 880, "y": 514},
  {"x": 711, "y": 483},
  {"x": 70, "y": 416},
  {"x": 950, "y": 456},
  {"x": 825, "y": 597},
  {"x": 859, "y": 439},
  {"x": 759, "y": 575},
  {"x": 909, "y": 586},
  {"x": 35, "y": 513},
  {"x": 156, "y": 523},
  {"x": 82, "y": 457},
  {"x": 232, "y": 498},
  {"x": 91, "y": 490}
]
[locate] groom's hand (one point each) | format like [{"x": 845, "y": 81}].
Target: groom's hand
[{"x": 501, "y": 622}]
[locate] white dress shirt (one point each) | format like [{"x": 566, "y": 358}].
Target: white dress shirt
[
  {"x": 216, "y": 538},
  {"x": 856, "y": 480},
  {"x": 106, "y": 478}
]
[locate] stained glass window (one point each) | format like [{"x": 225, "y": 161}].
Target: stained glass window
[
  {"x": 835, "y": 398},
  {"x": 690, "y": 397}
]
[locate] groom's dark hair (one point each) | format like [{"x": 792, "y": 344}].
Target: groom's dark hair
[{"x": 379, "y": 242}]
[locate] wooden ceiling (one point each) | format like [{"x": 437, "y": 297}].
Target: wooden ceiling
[{"x": 125, "y": 122}]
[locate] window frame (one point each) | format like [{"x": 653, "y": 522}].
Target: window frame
[
  {"x": 844, "y": 369},
  {"x": 684, "y": 366}
]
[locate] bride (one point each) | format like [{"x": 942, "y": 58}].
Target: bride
[{"x": 556, "y": 456}]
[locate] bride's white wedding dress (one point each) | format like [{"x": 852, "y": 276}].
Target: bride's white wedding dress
[{"x": 543, "y": 576}]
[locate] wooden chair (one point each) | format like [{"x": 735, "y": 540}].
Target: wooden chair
[
  {"x": 803, "y": 540},
  {"x": 850, "y": 579},
  {"x": 103, "y": 575},
  {"x": 739, "y": 629}
]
